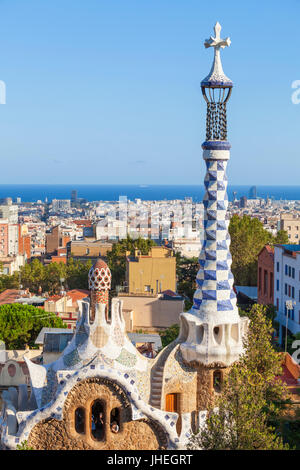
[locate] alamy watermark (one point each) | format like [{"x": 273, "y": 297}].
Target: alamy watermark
[
  {"x": 2, "y": 92},
  {"x": 296, "y": 354},
  {"x": 296, "y": 94}
]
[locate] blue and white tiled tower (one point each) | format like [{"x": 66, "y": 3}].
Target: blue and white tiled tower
[{"x": 215, "y": 329}]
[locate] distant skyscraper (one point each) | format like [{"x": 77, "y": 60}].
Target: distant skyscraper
[
  {"x": 243, "y": 201},
  {"x": 74, "y": 195},
  {"x": 253, "y": 193}
]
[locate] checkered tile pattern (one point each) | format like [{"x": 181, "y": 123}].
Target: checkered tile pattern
[{"x": 214, "y": 278}]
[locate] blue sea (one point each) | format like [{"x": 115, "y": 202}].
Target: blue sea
[{"x": 32, "y": 193}]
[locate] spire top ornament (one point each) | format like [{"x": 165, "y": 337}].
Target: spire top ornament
[
  {"x": 216, "y": 77},
  {"x": 217, "y": 42},
  {"x": 216, "y": 90}
]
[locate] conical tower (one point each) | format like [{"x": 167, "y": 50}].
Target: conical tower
[
  {"x": 213, "y": 327},
  {"x": 99, "y": 280}
]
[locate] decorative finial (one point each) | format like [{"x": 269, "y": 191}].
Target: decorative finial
[
  {"x": 217, "y": 77},
  {"x": 217, "y": 42},
  {"x": 216, "y": 90}
]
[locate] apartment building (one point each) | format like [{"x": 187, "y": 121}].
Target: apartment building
[
  {"x": 151, "y": 312},
  {"x": 66, "y": 305},
  {"x": 88, "y": 250},
  {"x": 265, "y": 276},
  {"x": 56, "y": 239},
  {"x": 9, "y": 212},
  {"x": 291, "y": 224},
  {"x": 151, "y": 273},
  {"x": 287, "y": 288}
]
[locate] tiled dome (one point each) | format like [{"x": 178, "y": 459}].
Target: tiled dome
[{"x": 99, "y": 276}]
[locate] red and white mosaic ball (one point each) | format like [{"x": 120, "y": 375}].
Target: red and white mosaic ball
[{"x": 99, "y": 276}]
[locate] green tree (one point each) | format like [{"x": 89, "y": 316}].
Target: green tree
[
  {"x": 248, "y": 237},
  {"x": 251, "y": 396},
  {"x": 24, "y": 446},
  {"x": 9, "y": 281},
  {"x": 33, "y": 276},
  {"x": 21, "y": 324},
  {"x": 53, "y": 272},
  {"x": 169, "y": 335},
  {"x": 281, "y": 237},
  {"x": 77, "y": 274},
  {"x": 186, "y": 271}
]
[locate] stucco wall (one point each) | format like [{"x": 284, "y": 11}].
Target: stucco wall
[
  {"x": 206, "y": 395},
  {"x": 151, "y": 311},
  {"x": 133, "y": 435},
  {"x": 182, "y": 379}
]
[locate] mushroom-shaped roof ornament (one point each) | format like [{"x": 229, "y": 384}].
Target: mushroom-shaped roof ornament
[{"x": 99, "y": 276}]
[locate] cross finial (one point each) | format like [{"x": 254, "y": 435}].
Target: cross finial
[
  {"x": 216, "y": 41},
  {"x": 216, "y": 76}
]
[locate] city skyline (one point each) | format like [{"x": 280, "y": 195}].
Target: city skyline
[{"x": 116, "y": 88}]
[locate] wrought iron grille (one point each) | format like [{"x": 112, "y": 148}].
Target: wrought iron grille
[{"x": 216, "y": 120}]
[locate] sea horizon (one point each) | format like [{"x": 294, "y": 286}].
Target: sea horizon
[{"x": 150, "y": 192}]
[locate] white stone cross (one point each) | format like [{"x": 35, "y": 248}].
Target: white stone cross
[
  {"x": 216, "y": 74},
  {"x": 217, "y": 42}
]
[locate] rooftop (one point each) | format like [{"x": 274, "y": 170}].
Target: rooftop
[
  {"x": 290, "y": 247},
  {"x": 248, "y": 291},
  {"x": 41, "y": 336},
  {"x": 145, "y": 338}
]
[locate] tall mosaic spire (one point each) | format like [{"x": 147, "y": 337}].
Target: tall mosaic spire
[
  {"x": 214, "y": 280},
  {"x": 214, "y": 324}
]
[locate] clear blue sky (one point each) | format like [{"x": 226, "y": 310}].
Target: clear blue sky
[{"x": 108, "y": 91}]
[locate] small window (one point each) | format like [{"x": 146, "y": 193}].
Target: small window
[
  {"x": 115, "y": 420},
  {"x": 97, "y": 420},
  {"x": 259, "y": 279},
  {"x": 265, "y": 282},
  {"x": 217, "y": 380},
  {"x": 80, "y": 420}
]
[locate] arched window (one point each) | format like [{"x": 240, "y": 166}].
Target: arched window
[
  {"x": 217, "y": 380},
  {"x": 97, "y": 420},
  {"x": 115, "y": 420},
  {"x": 80, "y": 420}
]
